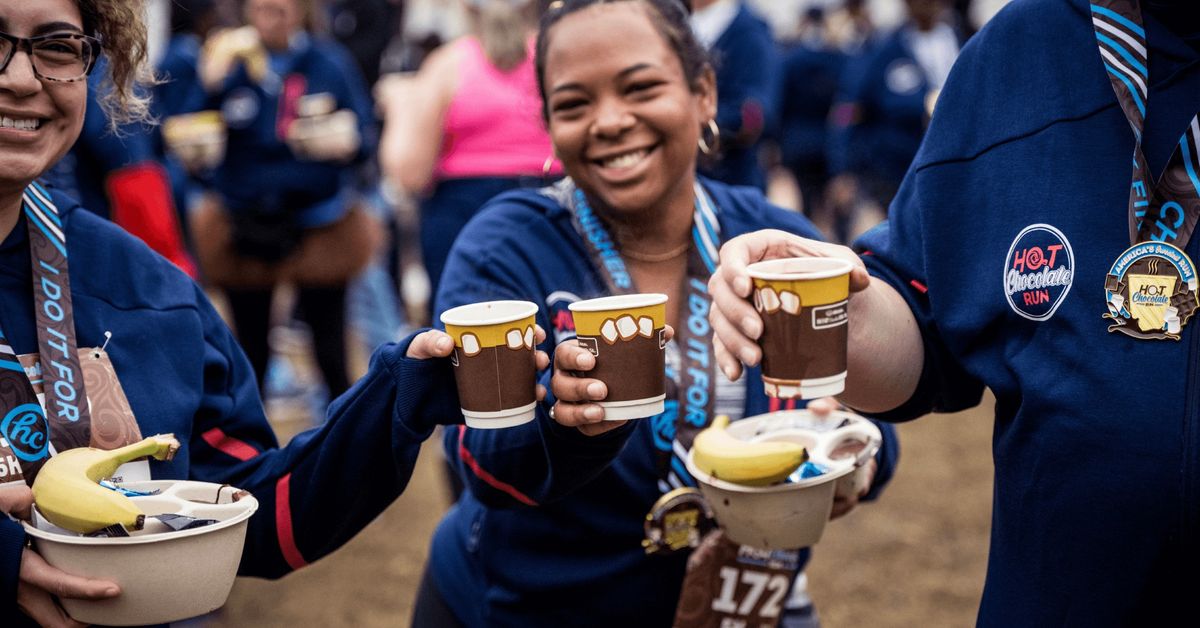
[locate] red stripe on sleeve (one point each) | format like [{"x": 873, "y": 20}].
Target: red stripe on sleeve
[
  {"x": 919, "y": 286},
  {"x": 283, "y": 523},
  {"x": 239, "y": 449},
  {"x": 490, "y": 479},
  {"x": 773, "y": 404},
  {"x": 791, "y": 404}
]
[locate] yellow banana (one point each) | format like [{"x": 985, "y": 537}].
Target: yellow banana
[
  {"x": 67, "y": 490},
  {"x": 717, "y": 453}
]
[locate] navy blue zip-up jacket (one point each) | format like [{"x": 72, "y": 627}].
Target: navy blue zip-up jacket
[
  {"x": 260, "y": 172},
  {"x": 1096, "y": 507},
  {"x": 747, "y": 97},
  {"x": 184, "y": 374},
  {"x": 549, "y": 529},
  {"x": 880, "y": 115}
]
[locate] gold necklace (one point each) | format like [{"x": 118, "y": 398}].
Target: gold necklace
[{"x": 654, "y": 258}]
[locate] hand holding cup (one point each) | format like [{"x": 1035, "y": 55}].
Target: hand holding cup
[
  {"x": 736, "y": 324},
  {"x": 578, "y": 396}
]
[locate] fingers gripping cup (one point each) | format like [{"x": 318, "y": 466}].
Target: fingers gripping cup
[
  {"x": 494, "y": 364},
  {"x": 803, "y": 304},
  {"x": 627, "y": 334}
]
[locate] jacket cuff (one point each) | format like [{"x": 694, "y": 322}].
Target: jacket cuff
[
  {"x": 426, "y": 394},
  {"x": 12, "y": 546}
]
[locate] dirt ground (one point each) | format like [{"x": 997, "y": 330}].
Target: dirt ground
[{"x": 915, "y": 558}]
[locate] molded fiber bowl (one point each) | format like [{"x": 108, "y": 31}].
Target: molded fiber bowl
[
  {"x": 164, "y": 577},
  {"x": 781, "y": 516}
]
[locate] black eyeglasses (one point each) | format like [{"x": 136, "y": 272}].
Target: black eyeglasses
[{"x": 62, "y": 57}]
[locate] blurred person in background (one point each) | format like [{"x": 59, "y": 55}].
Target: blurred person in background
[
  {"x": 467, "y": 127},
  {"x": 285, "y": 205},
  {"x": 179, "y": 90},
  {"x": 115, "y": 172},
  {"x": 365, "y": 27},
  {"x": 812, "y": 66},
  {"x": 550, "y": 530},
  {"x": 746, "y": 62},
  {"x": 850, "y": 26},
  {"x": 885, "y": 101}
]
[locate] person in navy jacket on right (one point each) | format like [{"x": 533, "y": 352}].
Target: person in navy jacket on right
[{"x": 1028, "y": 253}]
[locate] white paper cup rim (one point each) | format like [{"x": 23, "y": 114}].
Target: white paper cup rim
[
  {"x": 488, "y": 313},
  {"x": 775, "y": 270},
  {"x": 618, "y": 302}
]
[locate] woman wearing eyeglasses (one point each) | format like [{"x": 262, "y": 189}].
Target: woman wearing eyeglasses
[{"x": 70, "y": 279}]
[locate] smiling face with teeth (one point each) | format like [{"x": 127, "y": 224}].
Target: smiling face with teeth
[
  {"x": 623, "y": 116},
  {"x": 39, "y": 120}
]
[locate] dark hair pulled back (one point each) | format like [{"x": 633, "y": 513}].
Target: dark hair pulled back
[{"x": 669, "y": 17}]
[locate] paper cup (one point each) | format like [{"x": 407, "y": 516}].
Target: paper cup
[
  {"x": 627, "y": 334},
  {"x": 196, "y": 139},
  {"x": 493, "y": 361},
  {"x": 803, "y": 302},
  {"x": 164, "y": 576}
]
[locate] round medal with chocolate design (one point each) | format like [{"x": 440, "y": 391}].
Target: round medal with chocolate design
[
  {"x": 677, "y": 521},
  {"x": 1151, "y": 291}
]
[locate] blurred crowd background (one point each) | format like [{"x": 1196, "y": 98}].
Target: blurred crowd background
[
  {"x": 823, "y": 104},
  {"x": 429, "y": 108}
]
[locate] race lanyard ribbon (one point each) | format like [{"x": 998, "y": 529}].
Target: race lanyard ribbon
[
  {"x": 1151, "y": 291},
  {"x": 726, "y": 583},
  {"x": 30, "y": 431},
  {"x": 694, "y": 386}
]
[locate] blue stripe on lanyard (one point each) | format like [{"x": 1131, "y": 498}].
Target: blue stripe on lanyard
[
  {"x": 42, "y": 198},
  {"x": 708, "y": 227},
  {"x": 12, "y": 366},
  {"x": 681, "y": 472},
  {"x": 1137, "y": 65},
  {"x": 50, "y": 236},
  {"x": 1120, "y": 19},
  {"x": 704, "y": 255},
  {"x": 1137, "y": 100},
  {"x": 1187, "y": 160}
]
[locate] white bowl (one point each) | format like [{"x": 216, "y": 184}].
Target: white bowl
[
  {"x": 164, "y": 576},
  {"x": 790, "y": 515}
]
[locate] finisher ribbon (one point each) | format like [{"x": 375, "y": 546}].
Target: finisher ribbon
[
  {"x": 31, "y": 432},
  {"x": 694, "y": 387},
  {"x": 1166, "y": 211}
]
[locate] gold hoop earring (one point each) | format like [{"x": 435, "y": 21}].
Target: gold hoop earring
[{"x": 710, "y": 146}]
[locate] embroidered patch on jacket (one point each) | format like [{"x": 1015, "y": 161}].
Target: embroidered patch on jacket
[{"x": 1038, "y": 271}]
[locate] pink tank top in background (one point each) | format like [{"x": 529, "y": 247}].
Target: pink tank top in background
[{"x": 493, "y": 126}]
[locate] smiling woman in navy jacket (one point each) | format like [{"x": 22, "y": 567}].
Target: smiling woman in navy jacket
[
  {"x": 177, "y": 362},
  {"x": 1022, "y": 220},
  {"x": 549, "y": 531}
]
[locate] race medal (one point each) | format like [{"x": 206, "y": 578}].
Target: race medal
[
  {"x": 1151, "y": 291},
  {"x": 677, "y": 521}
]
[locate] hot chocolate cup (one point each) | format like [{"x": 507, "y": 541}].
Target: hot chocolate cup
[
  {"x": 627, "y": 334},
  {"x": 494, "y": 365},
  {"x": 803, "y": 302}
]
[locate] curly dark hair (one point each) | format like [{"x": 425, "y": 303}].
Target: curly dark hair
[
  {"x": 670, "y": 18},
  {"x": 122, "y": 31}
]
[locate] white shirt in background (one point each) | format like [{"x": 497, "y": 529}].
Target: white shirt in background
[
  {"x": 935, "y": 51},
  {"x": 711, "y": 22}
]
